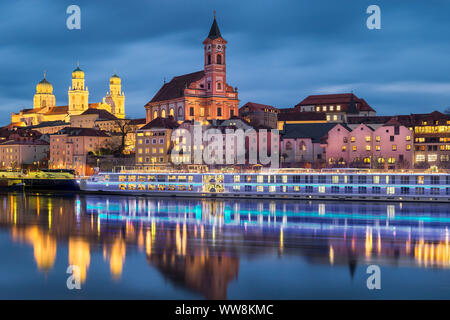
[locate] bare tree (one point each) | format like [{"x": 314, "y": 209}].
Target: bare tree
[{"x": 124, "y": 127}]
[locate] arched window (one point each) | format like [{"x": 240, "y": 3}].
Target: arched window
[
  {"x": 288, "y": 145},
  {"x": 171, "y": 112},
  {"x": 209, "y": 59},
  {"x": 163, "y": 113},
  {"x": 219, "y": 86},
  {"x": 155, "y": 114},
  {"x": 303, "y": 146},
  {"x": 180, "y": 112},
  {"x": 219, "y": 59}
]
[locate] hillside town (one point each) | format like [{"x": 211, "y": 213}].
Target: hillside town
[{"x": 339, "y": 130}]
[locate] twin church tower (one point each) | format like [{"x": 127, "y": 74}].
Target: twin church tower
[{"x": 44, "y": 102}]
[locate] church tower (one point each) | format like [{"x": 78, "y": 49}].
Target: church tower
[
  {"x": 215, "y": 61},
  {"x": 44, "y": 96},
  {"x": 78, "y": 93},
  {"x": 116, "y": 94}
]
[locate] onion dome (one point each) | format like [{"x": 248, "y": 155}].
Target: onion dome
[
  {"x": 78, "y": 73},
  {"x": 44, "y": 87},
  {"x": 115, "y": 79}
]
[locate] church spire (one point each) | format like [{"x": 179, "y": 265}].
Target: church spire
[{"x": 214, "y": 33}]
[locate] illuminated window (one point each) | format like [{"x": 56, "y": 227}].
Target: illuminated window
[
  {"x": 335, "y": 117},
  {"x": 131, "y": 187},
  {"x": 391, "y": 160},
  {"x": 131, "y": 178},
  {"x": 335, "y": 179},
  {"x": 338, "y": 108},
  {"x": 420, "y": 158},
  {"x": 377, "y": 148},
  {"x": 331, "y": 108},
  {"x": 368, "y": 138},
  {"x": 368, "y": 148},
  {"x": 380, "y": 160},
  {"x": 420, "y": 180},
  {"x": 408, "y": 147},
  {"x": 408, "y": 138},
  {"x": 324, "y": 108},
  {"x": 390, "y": 190},
  {"x": 354, "y": 148},
  {"x": 317, "y": 109},
  {"x": 432, "y": 157},
  {"x": 237, "y": 178},
  {"x": 284, "y": 179},
  {"x": 260, "y": 179},
  {"x": 376, "y": 179},
  {"x": 367, "y": 160},
  {"x": 352, "y": 139},
  {"x": 394, "y": 147},
  {"x": 378, "y": 138},
  {"x": 344, "y": 148},
  {"x": 272, "y": 188},
  {"x": 260, "y": 188},
  {"x": 321, "y": 189}
]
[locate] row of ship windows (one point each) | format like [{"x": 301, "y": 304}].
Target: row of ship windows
[
  {"x": 153, "y": 187},
  {"x": 307, "y": 189},
  {"x": 296, "y": 179}
]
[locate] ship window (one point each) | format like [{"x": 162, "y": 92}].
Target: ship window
[
  {"x": 260, "y": 179},
  {"x": 190, "y": 178},
  {"x": 161, "y": 178},
  {"x": 236, "y": 188},
  {"x": 260, "y": 188},
  {"x": 151, "y": 187},
  {"x": 272, "y": 188},
  {"x": 131, "y": 187},
  {"x": 131, "y": 178},
  {"x": 237, "y": 178},
  {"x": 122, "y": 186},
  {"x": 321, "y": 189},
  {"x": 182, "y": 178},
  {"x": 171, "y": 187},
  {"x": 335, "y": 179},
  {"x": 161, "y": 187},
  {"x": 181, "y": 188},
  {"x": 284, "y": 179},
  {"x": 122, "y": 178},
  {"x": 376, "y": 179},
  {"x": 142, "y": 178},
  {"x": 171, "y": 178},
  {"x": 141, "y": 186}
]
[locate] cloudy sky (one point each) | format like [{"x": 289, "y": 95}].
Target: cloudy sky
[{"x": 279, "y": 51}]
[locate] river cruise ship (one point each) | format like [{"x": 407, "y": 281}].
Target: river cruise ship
[{"x": 282, "y": 183}]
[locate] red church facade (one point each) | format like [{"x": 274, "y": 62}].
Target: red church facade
[{"x": 201, "y": 95}]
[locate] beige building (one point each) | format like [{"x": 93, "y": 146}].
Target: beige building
[
  {"x": 153, "y": 142},
  {"x": 14, "y": 154},
  {"x": 69, "y": 148}
]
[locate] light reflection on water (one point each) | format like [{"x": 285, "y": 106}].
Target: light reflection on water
[{"x": 214, "y": 248}]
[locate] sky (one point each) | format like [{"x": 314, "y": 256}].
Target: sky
[{"x": 278, "y": 53}]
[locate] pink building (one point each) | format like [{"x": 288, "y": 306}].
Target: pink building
[
  {"x": 19, "y": 153},
  {"x": 69, "y": 148},
  {"x": 388, "y": 146}
]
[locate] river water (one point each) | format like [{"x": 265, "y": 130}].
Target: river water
[{"x": 166, "y": 248}]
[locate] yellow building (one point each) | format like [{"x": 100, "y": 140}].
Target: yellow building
[{"x": 44, "y": 108}]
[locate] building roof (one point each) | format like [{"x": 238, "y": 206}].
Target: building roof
[
  {"x": 252, "y": 106},
  {"x": 102, "y": 114},
  {"x": 161, "y": 123},
  {"x": 344, "y": 99},
  {"x": 138, "y": 121},
  {"x": 214, "y": 32},
  {"x": 175, "y": 88},
  {"x": 302, "y": 116},
  {"x": 57, "y": 110},
  {"x": 49, "y": 124},
  {"x": 315, "y": 131},
  {"x": 82, "y": 132},
  {"x": 36, "y": 142}
]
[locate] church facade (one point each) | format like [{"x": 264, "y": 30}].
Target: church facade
[
  {"x": 44, "y": 102},
  {"x": 201, "y": 95}
]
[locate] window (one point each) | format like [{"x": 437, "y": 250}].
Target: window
[
  {"x": 404, "y": 190},
  {"x": 376, "y": 190},
  {"x": 321, "y": 189},
  {"x": 219, "y": 59},
  {"x": 435, "y": 191},
  {"x": 368, "y": 138},
  {"x": 368, "y": 148},
  {"x": 219, "y": 112},
  {"x": 338, "y": 108},
  {"x": 352, "y": 139},
  {"x": 191, "y": 111},
  {"x": 209, "y": 59},
  {"x": 354, "y": 148},
  {"x": 219, "y": 86},
  {"x": 377, "y": 138},
  {"x": 391, "y": 160},
  {"x": 408, "y": 147},
  {"x": 394, "y": 147},
  {"x": 420, "y": 190},
  {"x": 334, "y": 189},
  {"x": 420, "y": 180},
  {"x": 163, "y": 113}
]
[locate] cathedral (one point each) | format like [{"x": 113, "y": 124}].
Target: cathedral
[
  {"x": 44, "y": 108},
  {"x": 201, "y": 95}
]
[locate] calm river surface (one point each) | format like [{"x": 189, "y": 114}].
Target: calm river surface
[{"x": 165, "y": 248}]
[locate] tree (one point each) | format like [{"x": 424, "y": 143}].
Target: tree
[{"x": 124, "y": 127}]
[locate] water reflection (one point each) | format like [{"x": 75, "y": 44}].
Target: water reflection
[{"x": 198, "y": 244}]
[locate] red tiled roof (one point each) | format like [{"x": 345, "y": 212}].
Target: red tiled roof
[
  {"x": 82, "y": 132},
  {"x": 139, "y": 121},
  {"x": 24, "y": 142},
  {"x": 252, "y": 106},
  {"x": 175, "y": 88},
  {"x": 57, "y": 110},
  {"x": 102, "y": 114},
  {"x": 332, "y": 99},
  {"x": 163, "y": 123}
]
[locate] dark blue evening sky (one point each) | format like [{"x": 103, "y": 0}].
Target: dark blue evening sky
[{"x": 279, "y": 51}]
